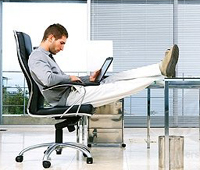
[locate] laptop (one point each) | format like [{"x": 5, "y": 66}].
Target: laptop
[{"x": 85, "y": 79}]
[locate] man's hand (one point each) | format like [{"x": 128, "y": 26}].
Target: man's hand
[
  {"x": 94, "y": 75},
  {"x": 75, "y": 79}
]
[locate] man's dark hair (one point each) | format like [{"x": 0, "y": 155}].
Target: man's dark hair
[{"x": 56, "y": 30}]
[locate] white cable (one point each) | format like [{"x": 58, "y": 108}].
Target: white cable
[{"x": 81, "y": 97}]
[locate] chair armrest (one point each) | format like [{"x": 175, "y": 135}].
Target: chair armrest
[
  {"x": 63, "y": 85},
  {"x": 72, "y": 84}
]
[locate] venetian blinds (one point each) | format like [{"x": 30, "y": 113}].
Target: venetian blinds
[
  {"x": 189, "y": 37},
  {"x": 141, "y": 30}
]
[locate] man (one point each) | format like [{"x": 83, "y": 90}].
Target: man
[{"x": 46, "y": 73}]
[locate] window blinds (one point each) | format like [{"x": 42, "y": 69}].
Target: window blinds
[{"x": 141, "y": 31}]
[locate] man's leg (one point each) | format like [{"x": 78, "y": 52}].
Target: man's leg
[
  {"x": 127, "y": 83},
  {"x": 117, "y": 86},
  {"x": 110, "y": 92},
  {"x": 141, "y": 72},
  {"x": 166, "y": 68}
]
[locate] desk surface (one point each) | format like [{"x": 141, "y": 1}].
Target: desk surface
[
  {"x": 178, "y": 82},
  {"x": 185, "y": 82}
]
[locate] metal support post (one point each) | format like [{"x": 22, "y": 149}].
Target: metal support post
[
  {"x": 166, "y": 156},
  {"x": 1, "y": 76},
  {"x": 148, "y": 116}
]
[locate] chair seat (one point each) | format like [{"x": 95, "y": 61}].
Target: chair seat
[{"x": 58, "y": 110}]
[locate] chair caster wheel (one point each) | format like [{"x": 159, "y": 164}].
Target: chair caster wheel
[
  {"x": 19, "y": 158},
  {"x": 58, "y": 151},
  {"x": 123, "y": 145},
  {"x": 89, "y": 145},
  {"x": 46, "y": 164},
  {"x": 89, "y": 160}
]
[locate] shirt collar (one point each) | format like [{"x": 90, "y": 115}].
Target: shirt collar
[{"x": 44, "y": 51}]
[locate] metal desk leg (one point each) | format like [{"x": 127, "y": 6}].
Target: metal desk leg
[
  {"x": 199, "y": 114},
  {"x": 166, "y": 125},
  {"x": 83, "y": 128},
  {"x": 148, "y": 116}
]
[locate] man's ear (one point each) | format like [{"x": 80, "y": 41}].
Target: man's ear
[{"x": 51, "y": 38}]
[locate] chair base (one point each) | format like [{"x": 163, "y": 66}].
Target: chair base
[{"x": 58, "y": 148}]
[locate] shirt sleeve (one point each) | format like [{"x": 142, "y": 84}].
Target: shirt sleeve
[{"x": 46, "y": 70}]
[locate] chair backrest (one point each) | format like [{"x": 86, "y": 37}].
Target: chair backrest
[{"x": 24, "y": 49}]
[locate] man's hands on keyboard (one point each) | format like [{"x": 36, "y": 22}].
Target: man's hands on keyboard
[{"x": 94, "y": 75}]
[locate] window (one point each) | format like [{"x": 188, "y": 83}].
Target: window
[{"x": 33, "y": 19}]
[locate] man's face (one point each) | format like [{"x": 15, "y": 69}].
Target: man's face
[{"x": 57, "y": 45}]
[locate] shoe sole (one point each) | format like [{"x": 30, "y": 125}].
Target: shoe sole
[{"x": 170, "y": 71}]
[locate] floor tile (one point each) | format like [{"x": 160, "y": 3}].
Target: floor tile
[{"x": 134, "y": 156}]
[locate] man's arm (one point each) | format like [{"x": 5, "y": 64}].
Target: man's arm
[
  {"x": 75, "y": 79},
  {"x": 46, "y": 70}
]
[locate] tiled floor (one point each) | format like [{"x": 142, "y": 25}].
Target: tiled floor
[{"x": 135, "y": 156}]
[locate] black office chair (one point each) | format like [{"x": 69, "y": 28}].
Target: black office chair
[{"x": 35, "y": 107}]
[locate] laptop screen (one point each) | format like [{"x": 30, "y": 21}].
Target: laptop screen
[{"x": 104, "y": 68}]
